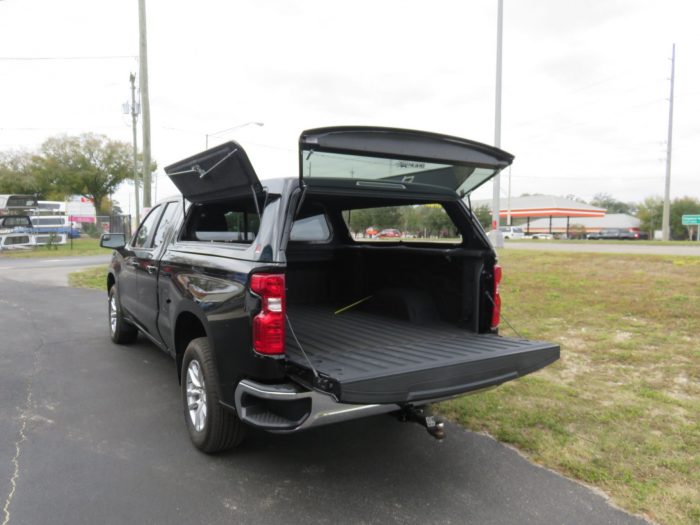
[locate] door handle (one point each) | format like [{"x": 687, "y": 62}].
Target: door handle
[
  {"x": 151, "y": 269},
  {"x": 133, "y": 264}
]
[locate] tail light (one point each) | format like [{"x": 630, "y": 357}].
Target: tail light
[
  {"x": 496, "y": 315},
  {"x": 268, "y": 325}
]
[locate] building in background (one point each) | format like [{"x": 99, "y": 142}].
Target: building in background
[
  {"x": 584, "y": 226},
  {"x": 523, "y": 210}
]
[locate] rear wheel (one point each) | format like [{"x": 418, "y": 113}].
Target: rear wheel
[
  {"x": 212, "y": 428},
  {"x": 120, "y": 330}
]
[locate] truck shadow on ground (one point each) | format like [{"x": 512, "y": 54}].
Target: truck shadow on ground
[{"x": 370, "y": 470}]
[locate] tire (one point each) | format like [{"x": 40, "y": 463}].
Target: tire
[
  {"x": 212, "y": 427},
  {"x": 120, "y": 330}
]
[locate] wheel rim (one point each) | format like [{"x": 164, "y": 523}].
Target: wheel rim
[
  {"x": 196, "y": 396},
  {"x": 113, "y": 314}
]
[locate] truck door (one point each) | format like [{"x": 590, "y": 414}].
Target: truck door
[
  {"x": 134, "y": 253},
  {"x": 147, "y": 295},
  {"x": 154, "y": 297}
]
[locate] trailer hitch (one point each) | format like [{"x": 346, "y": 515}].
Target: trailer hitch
[{"x": 434, "y": 425}]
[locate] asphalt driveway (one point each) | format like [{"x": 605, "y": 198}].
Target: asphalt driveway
[
  {"x": 93, "y": 433},
  {"x": 47, "y": 271}
]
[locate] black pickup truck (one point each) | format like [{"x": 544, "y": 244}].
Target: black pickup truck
[{"x": 282, "y": 315}]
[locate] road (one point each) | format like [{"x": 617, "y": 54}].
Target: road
[
  {"x": 601, "y": 247},
  {"x": 93, "y": 433},
  {"x": 52, "y": 272}
]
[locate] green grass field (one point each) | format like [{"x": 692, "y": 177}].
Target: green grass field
[
  {"x": 80, "y": 247},
  {"x": 95, "y": 277},
  {"x": 602, "y": 241},
  {"x": 621, "y": 409}
]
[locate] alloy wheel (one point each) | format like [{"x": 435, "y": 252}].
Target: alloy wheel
[{"x": 196, "y": 395}]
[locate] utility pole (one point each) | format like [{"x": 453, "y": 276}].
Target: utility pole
[
  {"x": 509, "y": 216},
  {"x": 496, "y": 237},
  {"x": 134, "y": 115},
  {"x": 145, "y": 104},
  {"x": 666, "y": 221}
]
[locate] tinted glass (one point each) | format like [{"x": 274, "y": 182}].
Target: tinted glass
[
  {"x": 146, "y": 228},
  {"x": 166, "y": 223},
  {"x": 411, "y": 223},
  {"x": 17, "y": 240},
  {"x": 462, "y": 179},
  {"x": 16, "y": 221},
  {"x": 313, "y": 228},
  {"x": 21, "y": 201},
  {"x": 48, "y": 221}
]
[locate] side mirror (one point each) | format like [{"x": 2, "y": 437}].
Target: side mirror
[{"x": 114, "y": 241}]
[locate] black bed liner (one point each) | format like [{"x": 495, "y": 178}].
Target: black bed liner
[{"x": 376, "y": 359}]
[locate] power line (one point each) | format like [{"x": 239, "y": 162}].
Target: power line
[
  {"x": 59, "y": 128},
  {"x": 103, "y": 57}
]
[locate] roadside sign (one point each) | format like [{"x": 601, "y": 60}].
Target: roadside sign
[{"x": 690, "y": 220}]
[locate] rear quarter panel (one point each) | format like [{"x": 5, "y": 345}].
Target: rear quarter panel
[{"x": 214, "y": 289}]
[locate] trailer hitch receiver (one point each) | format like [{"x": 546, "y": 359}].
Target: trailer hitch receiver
[{"x": 434, "y": 425}]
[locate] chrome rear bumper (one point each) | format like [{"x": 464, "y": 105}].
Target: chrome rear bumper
[{"x": 290, "y": 408}]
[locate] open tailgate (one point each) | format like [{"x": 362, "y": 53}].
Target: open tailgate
[{"x": 364, "y": 358}]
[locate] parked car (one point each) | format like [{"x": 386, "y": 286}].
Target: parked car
[
  {"x": 284, "y": 332},
  {"x": 512, "y": 232},
  {"x": 547, "y": 236},
  {"x": 619, "y": 234},
  {"x": 389, "y": 233}
]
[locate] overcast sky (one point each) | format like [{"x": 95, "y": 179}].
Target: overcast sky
[{"x": 585, "y": 89}]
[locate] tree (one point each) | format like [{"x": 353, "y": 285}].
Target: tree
[
  {"x": 483, "y": 213},
  {"x": 90, "y": 165},
  {"x": 649, "y": 213},
  {"x": 360, "y": 220},
  {"x": 388, "y": 217},
  {"x": 19, "y": 174},
  {"x": 380, "y": 218},
  {"x": 680, "y": 207},
  {"x": 575, "y": 198},
  {"x": 611, "y": 204}
]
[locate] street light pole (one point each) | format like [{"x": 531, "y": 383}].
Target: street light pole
[
  {"x": 666, "y": 221},
  {"x": 134, "y": 114},
  {"x": 145, "y": 104},
  {"x": 496, "y": 237}
]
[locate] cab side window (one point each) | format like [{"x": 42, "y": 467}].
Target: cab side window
[
  {"x": 146, "y": 229},
  {"x": 167, "y": 222}
]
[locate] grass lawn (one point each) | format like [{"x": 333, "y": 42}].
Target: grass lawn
[
  {"x": 609, "y": 241},
  {"x": 80, "y": 247},
  {"x": 95, "y": 277},
  {"x": 621, "y": 409}
]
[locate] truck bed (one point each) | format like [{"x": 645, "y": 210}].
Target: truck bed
[{"x": 376, "y": 359}]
